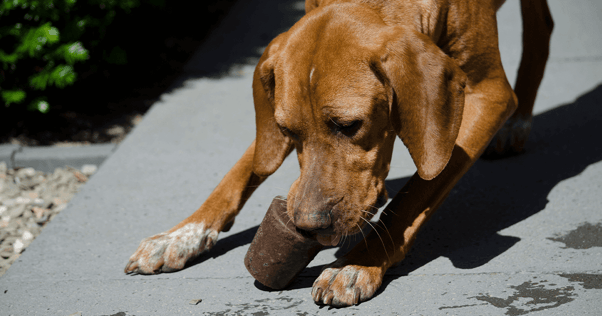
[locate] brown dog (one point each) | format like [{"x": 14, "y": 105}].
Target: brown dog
[{"x": 338, "y": 87}]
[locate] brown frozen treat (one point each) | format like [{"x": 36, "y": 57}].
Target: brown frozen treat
[{"x": 278, "y": 252}]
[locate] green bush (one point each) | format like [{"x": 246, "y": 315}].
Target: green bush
[
  {"x": 43, "y": 42},
  {"x": 126, "y": 55}
]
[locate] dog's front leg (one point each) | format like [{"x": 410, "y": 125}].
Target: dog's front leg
[
  {"x": 169, "y": 251},
  {"x": 356, "y": 276}
]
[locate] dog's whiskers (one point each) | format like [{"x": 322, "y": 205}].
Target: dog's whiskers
[
  {"x": 387, "y": 230},
  {"x": 344, "y": 239},
  {"x": 289, "y": 219},
  {"x": 364, "y": 235},
  {"x": 367, "y": 212},
  {"x": 280, "y": 199},
  {"x": 375, "y": 208},
  {"x": 376, "y": 231},
  {"x": 379, "y": 224}
]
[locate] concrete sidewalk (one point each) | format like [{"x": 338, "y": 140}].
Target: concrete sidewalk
[{"x": 516, "y": 236}]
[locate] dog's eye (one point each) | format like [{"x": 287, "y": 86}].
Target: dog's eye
[
  {"x": 347, "y": 128},
  {"x": 287, "y": 132}
]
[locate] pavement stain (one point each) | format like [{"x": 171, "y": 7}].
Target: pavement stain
[
  {"x": 588, "y": 281},
  {"x": 531, "y": 297},
  {"x": 585, "y": 236},
  {"x": 260, "y": 307}
]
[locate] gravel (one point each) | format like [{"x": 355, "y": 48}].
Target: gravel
[{"x": 29, "y": 199}]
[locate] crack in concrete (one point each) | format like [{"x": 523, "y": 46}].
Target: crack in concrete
[{"x": 460, "y": 306}]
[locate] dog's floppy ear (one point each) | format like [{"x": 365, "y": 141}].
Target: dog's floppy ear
[
  {"x": 426, "y": 90},
  {"x": 271, "y": 146}
]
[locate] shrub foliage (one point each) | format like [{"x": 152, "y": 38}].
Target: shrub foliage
[
  {"x": 42, "y": 42},
  {"x": 72, "y": 69}
]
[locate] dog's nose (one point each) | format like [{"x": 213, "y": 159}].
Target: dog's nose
[{"x": 312, "y": 220}]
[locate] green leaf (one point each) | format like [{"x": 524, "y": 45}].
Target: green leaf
[
  {"x": 39, "y": 81},
  {"x": 73, "y": 52},
  {"x": 13, "y": 96},
  {"x": 62, "y": 76},
  {"x": 59, "y": 76},
  {"x": 51, "y": 33},
  {"x": 8, "y": 59},
  {"x": 36, "y": 38}
]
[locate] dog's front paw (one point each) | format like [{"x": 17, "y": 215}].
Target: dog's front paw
[
  {"x": 168, "y": 252},
  {"x": 345, "y": 285},
  {"x": 510, "y": 139}
]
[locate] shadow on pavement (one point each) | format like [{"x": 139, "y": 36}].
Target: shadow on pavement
[
  {"x": 496, "y": 194},
  {"x": 224, "y": 245},
  {"x": 240, "y": 41}
]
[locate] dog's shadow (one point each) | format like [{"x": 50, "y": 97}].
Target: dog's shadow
[
  {"x": 496, "y": 194},
  {"x": 226, "y": 244}
]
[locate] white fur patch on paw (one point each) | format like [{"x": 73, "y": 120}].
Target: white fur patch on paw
[{"x": 167, "y": 252}]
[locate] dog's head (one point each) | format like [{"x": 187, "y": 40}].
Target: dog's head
[{"x": 339, "y": 86}]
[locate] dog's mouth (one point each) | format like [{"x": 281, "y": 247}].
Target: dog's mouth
[
  {"x": 329, "y": 240},
  {"x": 329, "y": 237}
]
